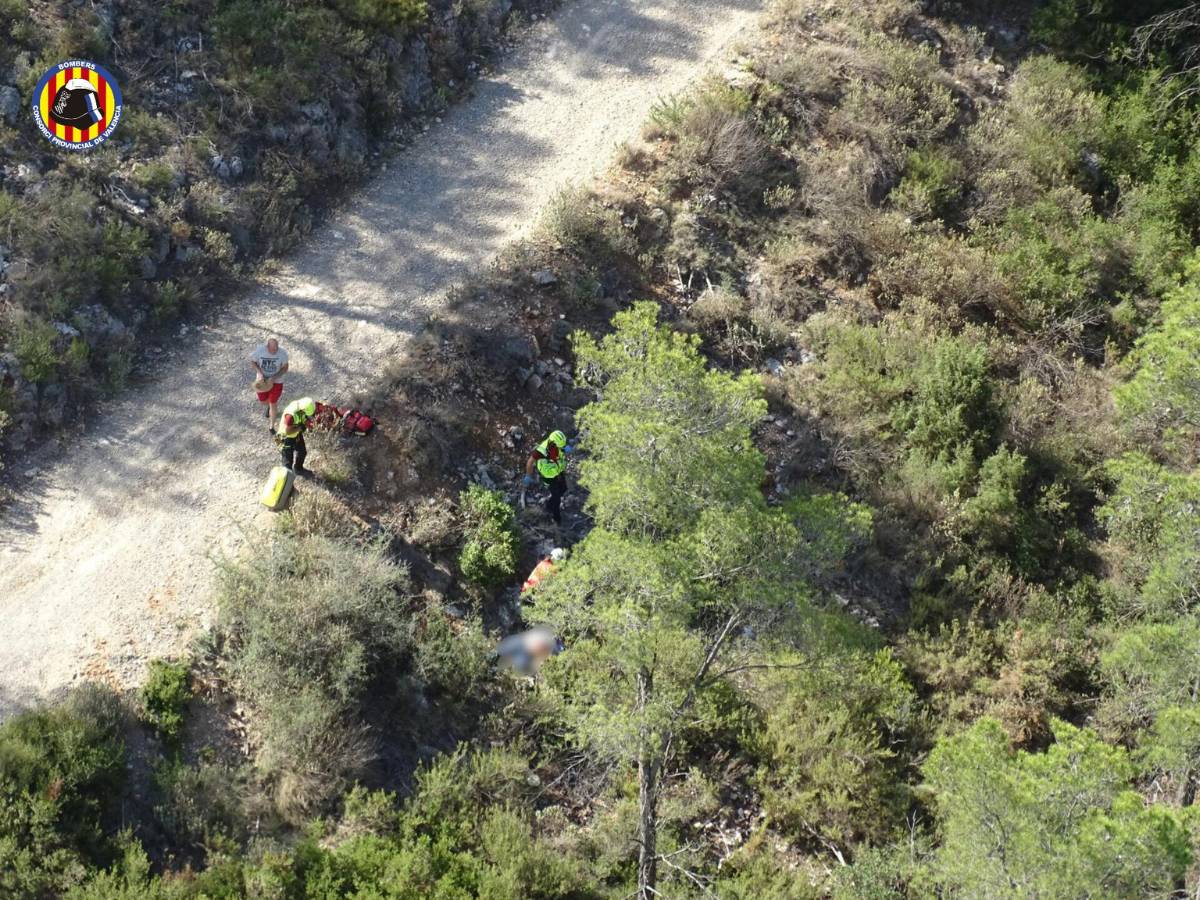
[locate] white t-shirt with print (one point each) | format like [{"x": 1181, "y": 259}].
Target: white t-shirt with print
[{"x": 270, "y": 363}]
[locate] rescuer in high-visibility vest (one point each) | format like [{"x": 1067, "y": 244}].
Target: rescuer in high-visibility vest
[
  {"x": 549, "y": 461},
  {"x": 296, "y": 417}
]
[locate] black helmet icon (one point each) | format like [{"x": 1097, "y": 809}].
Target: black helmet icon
[{"x": 77, "y": 104}]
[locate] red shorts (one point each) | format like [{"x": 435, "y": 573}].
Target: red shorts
[{"x": 273, "y": 395}]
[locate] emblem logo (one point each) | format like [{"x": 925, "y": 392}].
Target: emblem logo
[{"x": 77, "y": 105}]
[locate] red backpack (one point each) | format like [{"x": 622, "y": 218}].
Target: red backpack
[{"x": 355, "y": 421}]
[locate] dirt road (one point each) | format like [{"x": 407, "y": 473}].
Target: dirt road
[{"x": 105, "y": 561}]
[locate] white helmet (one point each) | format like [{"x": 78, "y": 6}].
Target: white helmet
[{"x": 558, "y": 554}]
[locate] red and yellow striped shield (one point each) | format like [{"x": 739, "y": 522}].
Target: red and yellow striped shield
[{"x": 77, "y": 105}]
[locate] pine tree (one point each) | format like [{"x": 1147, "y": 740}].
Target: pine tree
[{"x": 687, "y": 567}]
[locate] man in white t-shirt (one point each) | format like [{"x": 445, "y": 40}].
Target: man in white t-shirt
[{"x": 270, "y": 362}]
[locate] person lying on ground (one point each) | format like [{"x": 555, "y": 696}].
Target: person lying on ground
[{"x": 526, "y": 651}]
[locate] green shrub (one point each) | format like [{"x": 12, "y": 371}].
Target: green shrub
[
  {"x": 33, "y": 344},
  {"x": 993, "y": 516},
  {"x": 148, "y": 132},
  {"x": 900, "y": 102},
  {"x": 1160, "y": 216},
  {"x": 219, "y": 247},
  {"x": 1091, "y": 30},
  {"x": 452, "y": 661},
  {"x": 61, "y": 768},
  {"x": 117, "y": 367},
  {"x": 75, "y": 359},
  {"x": 461, "y": 834},
  {"x": 385, "y": 13},
  {"x": 165, "y": 696},
  {"x": 491, "y": 546},
  {"x": 1065, "y": 261},
  {"x": 9, "y": 209},
  {"x": 169, "y": 300},
  {"x": 1145, "y": 127},
  {"x": 200, "y": 805},
  {"x": 669, "y": 113},
  {"x": 157, "y": 176},
  {"x": 1161, "y": 402},
  {"x": 1153, "y": 543},
  {"x": 760, "y": 870},
  {"x": 932, "y": 184},
  {"x": 827, "y": 770},
  {"x": 952, "y": 409},
  {"x": 121, "y": 247},
  {"x": 1039, "y": 139},
  {"x": 886, "y": 873}
]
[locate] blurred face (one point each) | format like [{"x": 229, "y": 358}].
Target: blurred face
[{"x": 272, "y": 346}]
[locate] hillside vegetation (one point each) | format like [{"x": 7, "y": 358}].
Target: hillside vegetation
[
  {"x": 242, "y": 122},
  {"x": 884, "y": 365}
]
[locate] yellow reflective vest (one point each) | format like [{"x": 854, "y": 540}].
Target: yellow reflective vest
[
  {"x": 547, "y": 467},
  {"x": 301, "y": 411}
]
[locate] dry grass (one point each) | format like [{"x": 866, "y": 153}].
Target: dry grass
[
  {"x": 333, "y": 455},
  {"x": 317, "y": 512},
  {"x": 954, "y": 274},
  {"x": 719, "y": 146},
  {"x": 787, "y": 278}
]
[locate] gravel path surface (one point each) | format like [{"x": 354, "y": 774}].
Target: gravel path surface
[{"x": 106, "y": 558}]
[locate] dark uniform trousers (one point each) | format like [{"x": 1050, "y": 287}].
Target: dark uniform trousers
[
  {"x": 558, "y": 487},
  {"x": 293, "y": 449}
]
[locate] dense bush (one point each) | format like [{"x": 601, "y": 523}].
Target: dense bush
[
  {"x": 61, "y": 770},
  {"x": 718, "y": 144},
  {"x": 932, "y": 184},
  {"x": 165, "y": 695},
  {"x": 491, "y": 546},
  {"x": 1162, "y": 400},
  {"x": 1037, "y": 141},
  {"x": 828, "y": 770},
  {"x": 1151, "y": 521},
  {"x": 579, "y": 222},
  {"x": 1066, "y": 263},
  {"x": 462, "y": 833},
  {"x": 901, "y": 100},
  {"x": 1058, "y": 823},
  {"x": 318, "y": 512}
]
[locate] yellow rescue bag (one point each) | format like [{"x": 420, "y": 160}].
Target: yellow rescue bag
[{"x": 278, "y": 488}]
